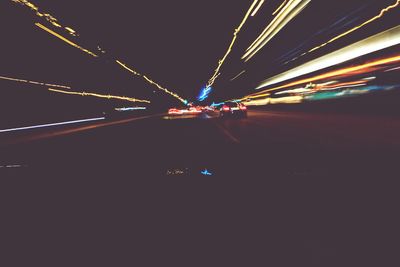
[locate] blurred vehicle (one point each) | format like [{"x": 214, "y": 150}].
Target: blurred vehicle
[
  {"x": 175, "y": 111},
  {"x": 233, "y": 109},
  {"x": 195, "y": 110},
  {"x": 180, "y": 111}
]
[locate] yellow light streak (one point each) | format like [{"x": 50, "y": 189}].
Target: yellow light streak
[
  {"x": 127, "y": 68},
  {"x": 125, "y": 98},
  {"x": 276, "y": 21},
  {"x": 344, "y": 71},
  {"x": 235, "y": 35},
  {"x": 252, "y": 97},
  {"x": 380, "y": 15},
  {"x": 280, "y": 7},
  {"x": 71, "y": 31},
  {"x": 257, "y": 8},
  {"x": 52, "y": 20},
  {"x": 150, "y": 81},
  {"x": 65, "y": 39},
  {"x": 72, "y": 92},
  {"x": 33, "y": 82},
  {"x": 287, "y": 14}
]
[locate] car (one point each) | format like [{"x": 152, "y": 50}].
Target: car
[
  {"x": 233, "y": 109},
  {"x": 175, "y": 111}
]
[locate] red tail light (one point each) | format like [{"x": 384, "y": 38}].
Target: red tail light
[
  {"x": 243, "y": 107},
  {"x": 225, "y": 108}
]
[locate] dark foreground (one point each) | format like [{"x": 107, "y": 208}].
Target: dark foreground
[{"x": 287, "y": 189}]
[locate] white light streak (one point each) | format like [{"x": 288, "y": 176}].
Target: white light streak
[
  {"x": 50, "y": 125},
  {"x": 287, "y": 14},
  {"x": 257, "y": 8},
  {"x": 392, "y": 69},
  {"x": 130, "y": 108},
  {"x": 237, "y": 76},
  {"x": 372, "y": 44}
]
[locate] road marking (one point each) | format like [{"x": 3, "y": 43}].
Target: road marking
[
  {"x": 227, "y": 133},
  {"x": 50, "y": 125},
  {"x": 73, "y": 130}
]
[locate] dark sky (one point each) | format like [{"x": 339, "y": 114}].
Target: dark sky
[{"x": 175, "y": 42}]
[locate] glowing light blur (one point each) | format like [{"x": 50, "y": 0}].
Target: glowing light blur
[
  {"x": 372, "y": 44},
  {"x": 205, "y": 92},
  {"x": 206, "y": 173},
  {"x": 125, "y": 98},
  {"x": 287, "y": 14},
  {"x": 65, "y": 39},
  {"x": 235, "y": 36},
  {"x": 380, "y": 15},
  {"x": 50, "y": 125}
]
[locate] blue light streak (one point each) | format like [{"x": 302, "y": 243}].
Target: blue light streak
[
  {"x": 205, "y": 92},
  {"x": 206, "y": 172}
]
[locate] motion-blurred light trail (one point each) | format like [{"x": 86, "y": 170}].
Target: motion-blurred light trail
[
  {"x": 123, "y": 65},
  {"x": 49, "y": 18},
  {"x": 65, "y": 39},
  {"x": 349, "y": 71},
  {"x": 211, "y": 81},
  {"x": 372, "y": 44},
  {"x": 380, "y": 15},
  {"x": 125, "y": 98},
  {"x": 33, "y": 82},
  {"x": 71, "y": 92},
  {"x": 50, "y": 125},
  {"x": 257, "y": 8},
  {"x": 393, "y": 69},
  {"x": 205, "y": 92},
  {"x": 279, "y": 8},
  {"x": 130, "y": 109},
  {"x": 237, "y": 76},
  {"x": 71, "y": 31},
  {"x": 287, "y": 14}
]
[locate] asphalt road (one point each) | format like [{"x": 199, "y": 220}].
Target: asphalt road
[
  {"x": 277, "y": 142},
  {"x": 287, "y": 189}
]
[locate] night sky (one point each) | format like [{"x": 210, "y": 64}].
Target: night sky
[{"x": 176, "y": 43}]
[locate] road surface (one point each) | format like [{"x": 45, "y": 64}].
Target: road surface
[
  {"x": 287, "y": 189},
  {"x": 278, "y": 142}
]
